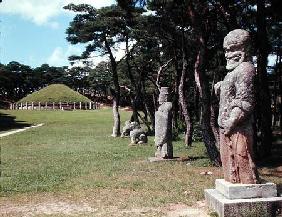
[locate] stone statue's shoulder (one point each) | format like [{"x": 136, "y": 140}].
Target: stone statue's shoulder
[
  {"x": 168, "y": 105},
  {"x": 165, "y": 107},
  {"x": 246, "y": 68}
]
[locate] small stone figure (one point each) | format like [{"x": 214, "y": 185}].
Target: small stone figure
[
  {"x": 136, "y": 133},
  {"x": 163, "y": 126},
  {"x": 129, "y": 126},
  {"x": 138, "y": 136},
  {"x": 236, "y": 107}
]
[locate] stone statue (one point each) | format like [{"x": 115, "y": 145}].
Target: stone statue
[
  {"x": 129, "y": 126},
  {"x": 136, "y": 133},
  {"x": 236, "y": 107},
  {"x": 138, "y": 136},
  {"x": 163, "y": 126}
]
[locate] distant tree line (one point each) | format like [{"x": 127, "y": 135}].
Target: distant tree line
[{"x": 18, "y": 80}]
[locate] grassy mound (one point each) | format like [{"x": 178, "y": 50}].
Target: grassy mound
[{"x": 55, "y": 93}]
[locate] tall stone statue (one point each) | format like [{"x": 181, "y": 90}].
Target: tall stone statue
[
  {"x": 163, "y": 126},
  {"x": 246, "y": 197},
  {"x": 236, "y": 107}
]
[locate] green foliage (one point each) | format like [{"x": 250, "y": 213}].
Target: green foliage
[
  {"x": 18, "y": 80},
  {"x": 100, "y": 78},
  {"x": 55, "y": 93},
  {"x": 213, "y": 214},
  {"x": 197, "y": 133},
  {"x": 95, "y": 27}
]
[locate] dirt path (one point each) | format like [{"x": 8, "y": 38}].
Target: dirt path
[
  {"x": 47, "y": 208},
  {"x": 56, "y": 207},
  {"x": 19, "y": 130}
]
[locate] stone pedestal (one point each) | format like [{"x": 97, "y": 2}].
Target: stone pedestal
[
  {"x": 159, "y": 159},
  {"x": 244, "y": 200}
]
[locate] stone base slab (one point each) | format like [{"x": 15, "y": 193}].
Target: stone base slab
[
  {"x": 254, "y": 207},
  {"x": 244, "y": 191},
  {"x": 157, "y": 159}
]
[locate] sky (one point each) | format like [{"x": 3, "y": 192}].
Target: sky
[{"x": 33, "y": 31}]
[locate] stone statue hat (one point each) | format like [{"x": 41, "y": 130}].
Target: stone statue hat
[{"x": 164, "y": 90}]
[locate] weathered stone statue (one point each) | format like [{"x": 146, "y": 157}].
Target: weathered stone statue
[
  {"x": 129, "y": 126},
  {"x": 239, "y": 194},
  {"x": 236, "y": 107},
  {"x": 136, "y": 133},
  {"x": 163, "y": 126},
  {"x": 138, "y": 136}
]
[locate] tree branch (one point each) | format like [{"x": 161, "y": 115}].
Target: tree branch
[{"x": 161, "y": 69}]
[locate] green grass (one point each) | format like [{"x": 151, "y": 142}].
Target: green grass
[
  {"x": 73, "y": 152},
  {"x": 73, "y": 155},
  {"x": 55, "y": 93}
]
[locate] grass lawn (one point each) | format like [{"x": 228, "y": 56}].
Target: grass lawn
[{"x": 72, "y": 158}]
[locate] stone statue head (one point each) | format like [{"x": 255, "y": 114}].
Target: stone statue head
[
  {"x": 237, "y": 48},
  {"x": 134, "y": 125},
  {"x": 164, "y": 95}
]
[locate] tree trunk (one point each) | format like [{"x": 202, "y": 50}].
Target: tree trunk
[
  {"x": 116, "y": 127},
  {"x": 151, "y": 111},
  {"x": 276, "y": 91},
  {"x": 264, "y": 113},
  {"x": 147, "y": 108},
  {"x": 115, "y": 92},
  {"x": 214, "y": 125},
  {"x": 175, "y": 101},
  {"x": 116, "y": 99},
  {"x": 214, "y": 115},
  {"x": 134, "y": 116},
  {"x": 149, "y": 105},
  {"x": 135, "y": 92},
  {"x": 203, "y": 87},
  {"x": 175, "y": 105},
  {"x": 280, "y": 90},
  {"x": 184, "y": 104}
]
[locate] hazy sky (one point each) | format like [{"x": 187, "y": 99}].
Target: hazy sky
[{"x": 33, "y": 31}]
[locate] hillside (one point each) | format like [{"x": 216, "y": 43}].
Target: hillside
[{"x": 55, "y": 93}]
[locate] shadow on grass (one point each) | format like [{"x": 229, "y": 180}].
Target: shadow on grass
[
  {"x": 279, "y": 189},
  {"x": 275, "y": 160},
  {"x": 272, "y": 161},
  {"x": 194, "y": 158},
  {"x": 8, "y": 122},
  {"x": 271, "y": 167}
]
